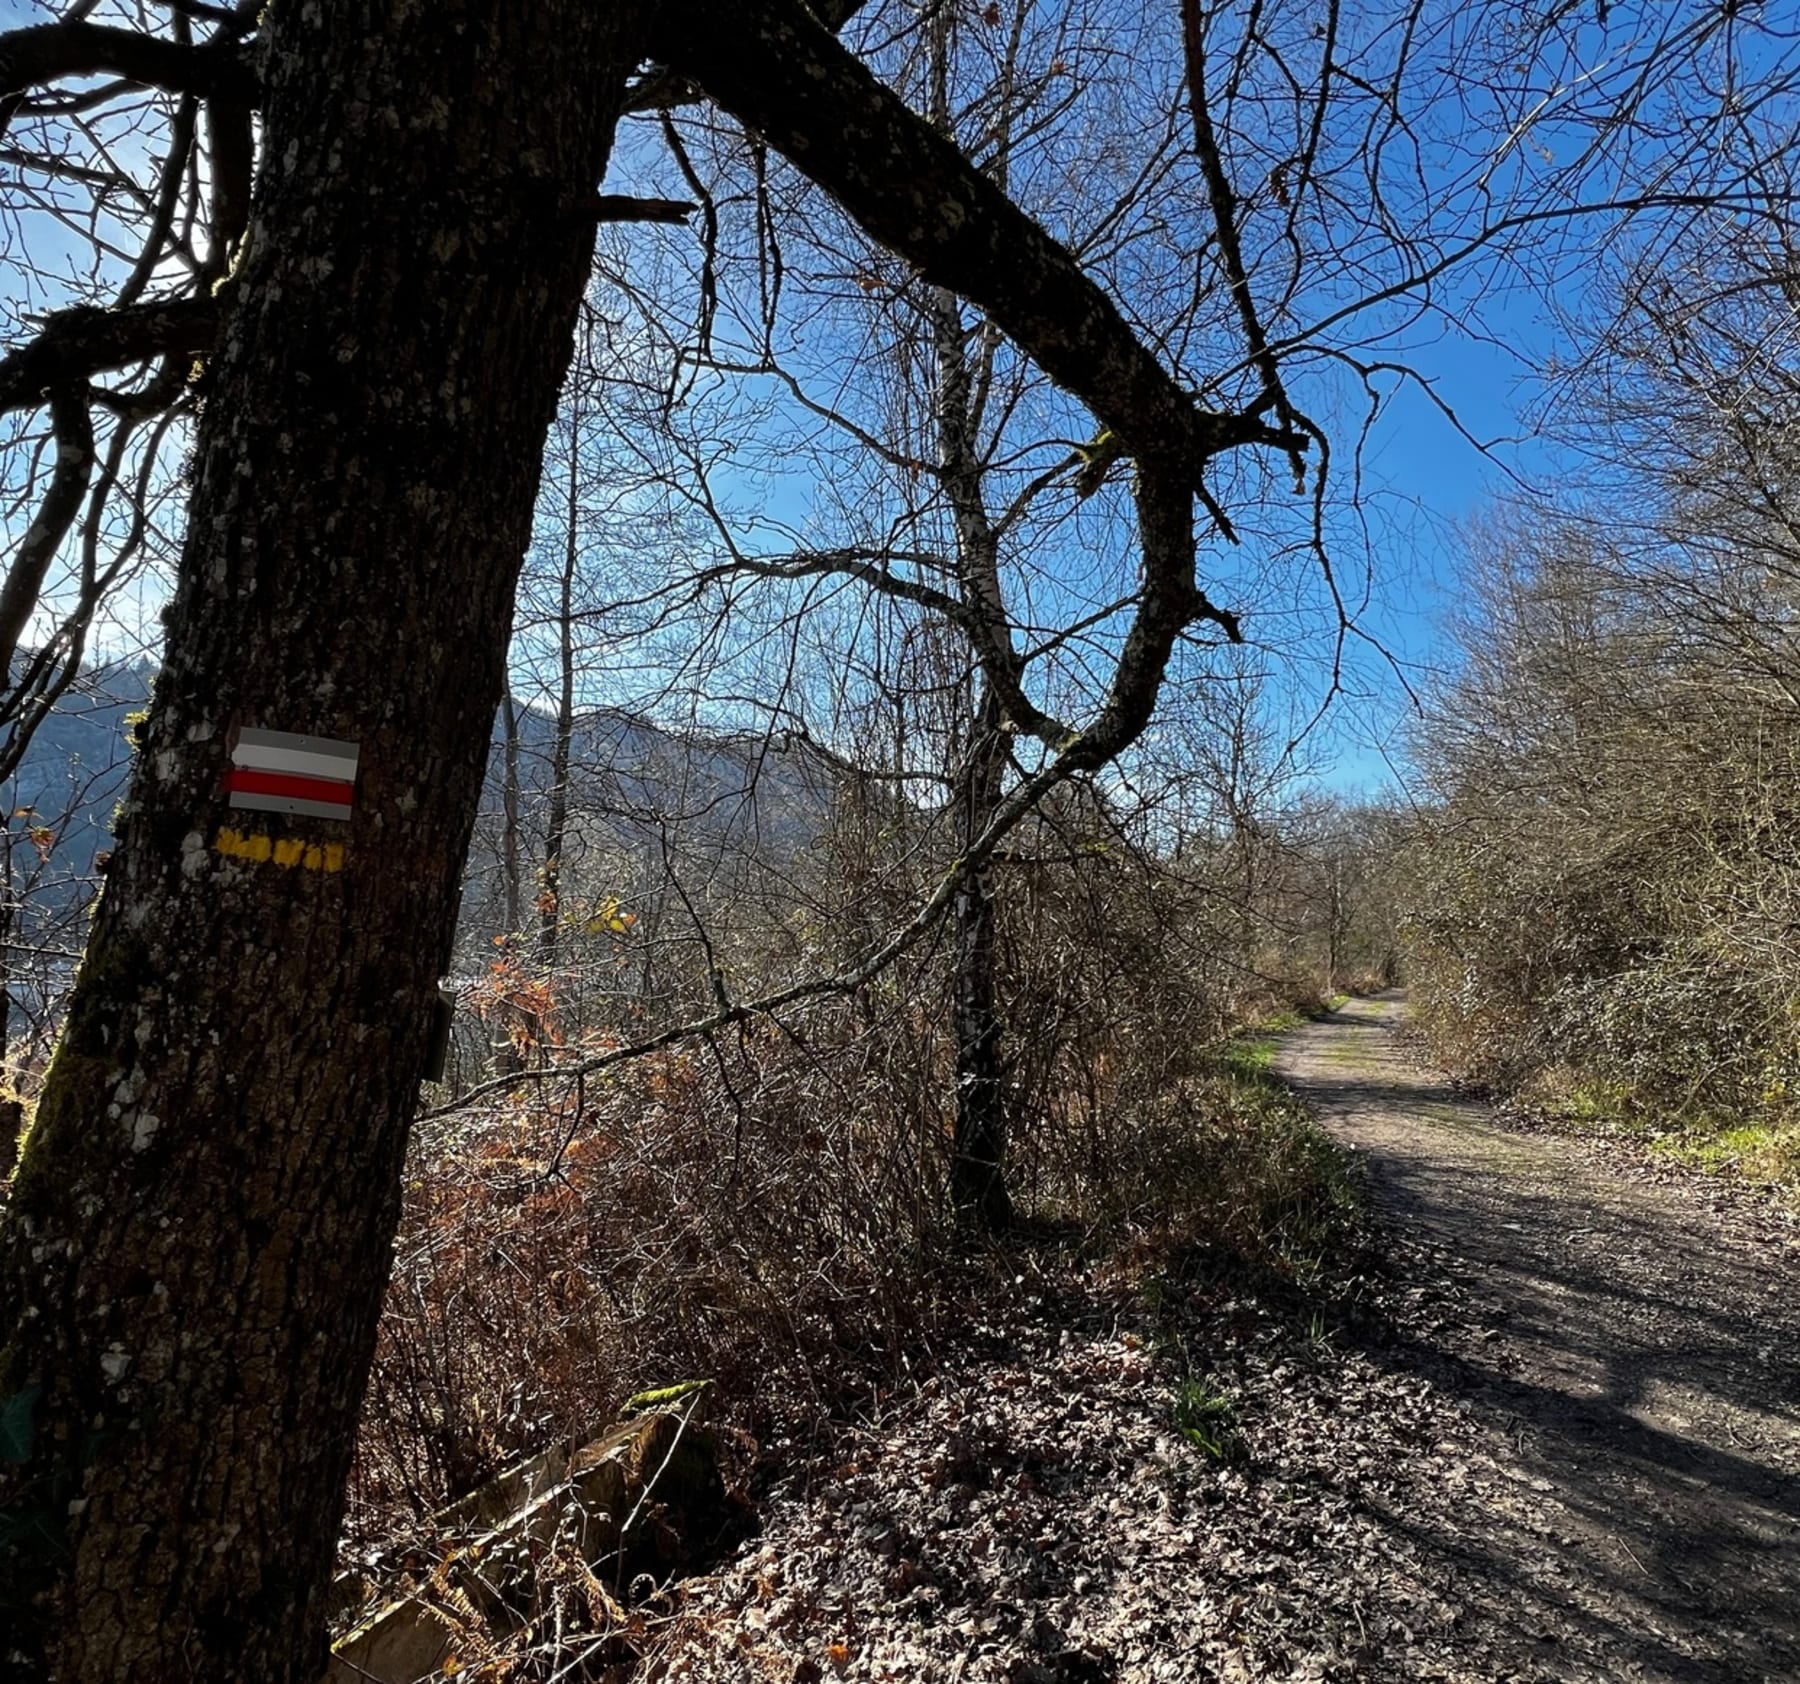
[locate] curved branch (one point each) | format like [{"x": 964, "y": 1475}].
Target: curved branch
[
  {"x": 1225, "y": 217},
  {"x": 72, "y": 346},
  {"x": 778, "y": 70},
  {"x": 867, "y": 567},
  {"x": 49, "y": 52},
  {"x": 74, "y": 429},
  {"x": 1170, "y": 603},
  {"x": 1003, "y": 668}
]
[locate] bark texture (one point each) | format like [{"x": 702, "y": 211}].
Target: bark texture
[
  {"x": 978, "y": 1169},
  {"x": 193, "y": 1262}
]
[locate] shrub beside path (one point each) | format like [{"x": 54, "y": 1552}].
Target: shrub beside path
[{"x": 1629, "y": 1352}]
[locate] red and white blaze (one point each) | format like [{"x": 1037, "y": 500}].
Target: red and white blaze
[{"x": 279, "y": 772}]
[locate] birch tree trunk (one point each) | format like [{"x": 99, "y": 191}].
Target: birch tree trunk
[{"x": 194, "y": 1258}]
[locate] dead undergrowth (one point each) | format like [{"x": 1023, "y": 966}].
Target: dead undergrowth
[{"x": 769, "y": 1212}]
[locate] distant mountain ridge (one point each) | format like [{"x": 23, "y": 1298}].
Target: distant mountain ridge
[
  {"x": 721, "y": 791},
  {"x": 75, "y": 769}
]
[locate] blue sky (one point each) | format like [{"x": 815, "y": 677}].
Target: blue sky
[
  {"x": 1426, "y": 478},
  {"x": 1431, "y": 478}
]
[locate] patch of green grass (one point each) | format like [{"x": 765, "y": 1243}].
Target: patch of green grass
[
  {"x": 1600, "y": 1104},
  {"x": 1208, "y": 1419},
  {"x": 1251, "y": 1051},
  {"x": 1760, "y": 1151},
  {"x": 1281, "y": 1022},
  {"x": 1247, "y": 1057},
  {"x": 1765, "y": 1149}
]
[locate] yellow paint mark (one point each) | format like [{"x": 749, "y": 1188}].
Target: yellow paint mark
[
  {"x": 289, "y": 851},
  {"x": 237, "y": 847}
]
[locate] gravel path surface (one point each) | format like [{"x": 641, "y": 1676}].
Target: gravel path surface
[{"x": 1630, "y": 1346}]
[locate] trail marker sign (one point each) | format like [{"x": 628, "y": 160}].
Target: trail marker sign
[{"x": 281, "y": 772}]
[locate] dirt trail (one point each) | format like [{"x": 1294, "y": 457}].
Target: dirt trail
[{"x": 1630, "y": 1352}]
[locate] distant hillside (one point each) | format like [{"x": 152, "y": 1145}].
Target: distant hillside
[
  {"x": 740, "y": 790},
  {"x": 633, "y": 784},
  {"x": 74, "y": 773},
  {"x": 643, "y": 798}
]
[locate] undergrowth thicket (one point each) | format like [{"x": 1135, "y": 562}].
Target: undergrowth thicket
[
  {"x": 768, "y": 1210},
  {"x": 1604, "y": 897}
]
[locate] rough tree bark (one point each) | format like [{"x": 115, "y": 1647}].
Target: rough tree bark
[
  {"x": 978, "y": 1165},
  {"x": 198, "y": 1242}
]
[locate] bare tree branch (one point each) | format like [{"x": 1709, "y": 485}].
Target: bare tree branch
[
  {"x": 49, "y": 52},
  {"x": 74, "y": 345},
  {"x": 624, "y": 207},
  {"x": 776, "y": 69},
  {"x": 74, "y": 429}
]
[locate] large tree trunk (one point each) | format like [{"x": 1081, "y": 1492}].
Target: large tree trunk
[{"x": 193, "y": 1262}]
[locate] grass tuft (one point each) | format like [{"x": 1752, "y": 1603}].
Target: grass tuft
[{"x": 1208, "y": 1419}]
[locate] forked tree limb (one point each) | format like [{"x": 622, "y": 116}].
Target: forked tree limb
[
  {"x": 776, "y": 68},
  {"x": 74, "y": 345}
]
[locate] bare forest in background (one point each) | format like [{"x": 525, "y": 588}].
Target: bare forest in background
[{"x": 1604, "y": 871}]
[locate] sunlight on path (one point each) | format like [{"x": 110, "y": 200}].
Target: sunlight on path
[{"x": 1633, "y": 1350}]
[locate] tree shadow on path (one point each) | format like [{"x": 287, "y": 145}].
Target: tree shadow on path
[{"x": 1627, "y": 1352}]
